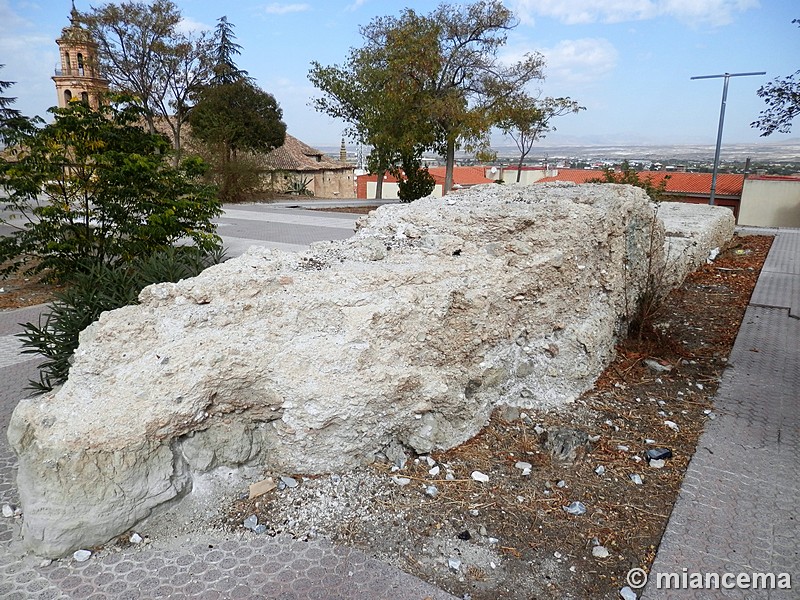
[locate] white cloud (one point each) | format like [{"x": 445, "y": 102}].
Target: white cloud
[
  {"x": 277, "y": 8},
  {"x": 579, "y": 61},
  {"x": 188, "y": 26},
  {"x": 711, "y": 12}
]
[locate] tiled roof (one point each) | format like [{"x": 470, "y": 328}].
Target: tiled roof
[
  {"x": 294, "y": 155},
  {"x": 728, "y": 184}
]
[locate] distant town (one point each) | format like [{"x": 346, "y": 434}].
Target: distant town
[{"x": 760, "y": 159}]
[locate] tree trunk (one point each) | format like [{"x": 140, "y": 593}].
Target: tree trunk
[
  {"x": 450, "y": 162},
  {"x": 519, "y": 167},
  {"x": 176, "y": 160},
  {"x": 379, "y": 186}
]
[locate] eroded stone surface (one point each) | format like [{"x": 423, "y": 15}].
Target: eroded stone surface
[{"x": 409, "y": 333}]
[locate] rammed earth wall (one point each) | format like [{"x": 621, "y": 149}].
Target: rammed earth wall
[{"x": 410, "y": 332}]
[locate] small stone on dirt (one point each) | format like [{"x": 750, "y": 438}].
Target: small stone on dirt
[
  {"x": 8, "y": 511},
  {"x": 576, "y": 508},
  {"x": 401, "y": 481},
  {"x": 136, "y": 539},
  {"x": 478, "y": 476},
  {"x": 250, "y": 522},
  {"x": 289, "y": 482},
  {"x": 656, "y": 366},
  {"x": 454, "y": 564},
  {"x": 262, "y": 487},
  {"x": 600, "y": 552},
  {"x": 636, "y": 478},
  {"x": 627, "y": 593}
]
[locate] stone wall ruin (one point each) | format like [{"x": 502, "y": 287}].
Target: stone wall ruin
[{"x": 411, "y": 332}]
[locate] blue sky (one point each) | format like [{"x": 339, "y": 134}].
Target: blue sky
[{"x": 629, "y": 62}]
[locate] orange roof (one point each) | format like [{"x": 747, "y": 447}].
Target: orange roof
[
  {"x": 461, "y": 175},
  {"x": 728, "y": 184}
]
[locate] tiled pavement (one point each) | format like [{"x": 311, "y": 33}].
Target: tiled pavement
[
  {"x": 739, "y": 506},
  {"x": 737, "y": 511}
]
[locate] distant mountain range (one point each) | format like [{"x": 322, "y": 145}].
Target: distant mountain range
[{"x": 785, "y": 151}]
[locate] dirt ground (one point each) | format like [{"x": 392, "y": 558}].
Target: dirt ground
[{"x": 510, "y": 537}]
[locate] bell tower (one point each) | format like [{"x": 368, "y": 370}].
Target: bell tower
[{"x": 79, "y": 77}]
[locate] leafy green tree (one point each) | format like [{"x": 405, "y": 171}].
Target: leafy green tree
[
  {"x": 94, "y": 187},
  {"x": 414, "y": 180},
  {"x": 473, "y": 79},
  {"x": 783, "y": 103},
  {"x": 426, "y": 81},
  {"x": 233, "y": 115},
  {"x": 380, "y": 91},
  {"x": 526, "y": 120},
  {"x": 143, "y": 54},
  {"x": 232, "y": 118}
]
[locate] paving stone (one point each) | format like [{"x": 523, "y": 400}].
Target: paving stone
[{"x": 737, "y": 510}]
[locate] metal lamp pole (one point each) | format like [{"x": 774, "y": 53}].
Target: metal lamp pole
[{"x": 727, "y": 76}]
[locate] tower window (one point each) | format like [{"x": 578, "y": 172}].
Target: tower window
[
  {"x": 67, "y": 64},
  {"x": 85, "y": 97},
  {"x": 80, "y": 64},
  {"x": 67, "y": 96}
]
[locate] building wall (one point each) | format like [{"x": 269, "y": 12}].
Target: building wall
[
  {"x": 334, "y": 184},
  {"x": 390, "y": 190},
  {"x": 770, "y": 202},
  {"x": 527, "y": 176},
  {"x": 322, "y": 184}
]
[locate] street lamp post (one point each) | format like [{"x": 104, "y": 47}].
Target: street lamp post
[{"x": 727, "y": 76}]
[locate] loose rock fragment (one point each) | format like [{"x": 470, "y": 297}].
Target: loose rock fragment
[
  {"x": 478, "y": 476},
  {"x": 81, "y": 555},
  {"x": 262, "y": 487},
  {"x": 576, "y": 508}
]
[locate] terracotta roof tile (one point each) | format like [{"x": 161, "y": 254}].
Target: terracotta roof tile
[
  {"x": 294, "y": 155},
  {"x": 728, "y": 184}
]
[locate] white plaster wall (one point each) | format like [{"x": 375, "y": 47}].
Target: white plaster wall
[{"x": 770, "y": 203}]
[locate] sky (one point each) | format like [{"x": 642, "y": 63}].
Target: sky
[{"x": 629, "y": 62}]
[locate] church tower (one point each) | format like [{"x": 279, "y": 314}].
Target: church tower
[{"x": 79, "y": 77}]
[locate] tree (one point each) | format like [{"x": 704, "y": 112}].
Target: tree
[
  {"x": 526, "y": 119},
  {"x": 473, "y": 80},
  {"x": 783, "y": 103},
  {"x": 225, "y": 69},
  {"x": 381, "y": 93},
  {"x": 110, "y": 194},
  {"x": 232, "y": 115},
  {"x": 414, "y": 180},
  {"x": 142, "y": 54},
  {"x": 11, "y": 120},
  {"x": 435, "y": 78}
]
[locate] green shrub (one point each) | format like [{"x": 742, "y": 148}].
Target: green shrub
[{"x": 94, "y": 188}]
